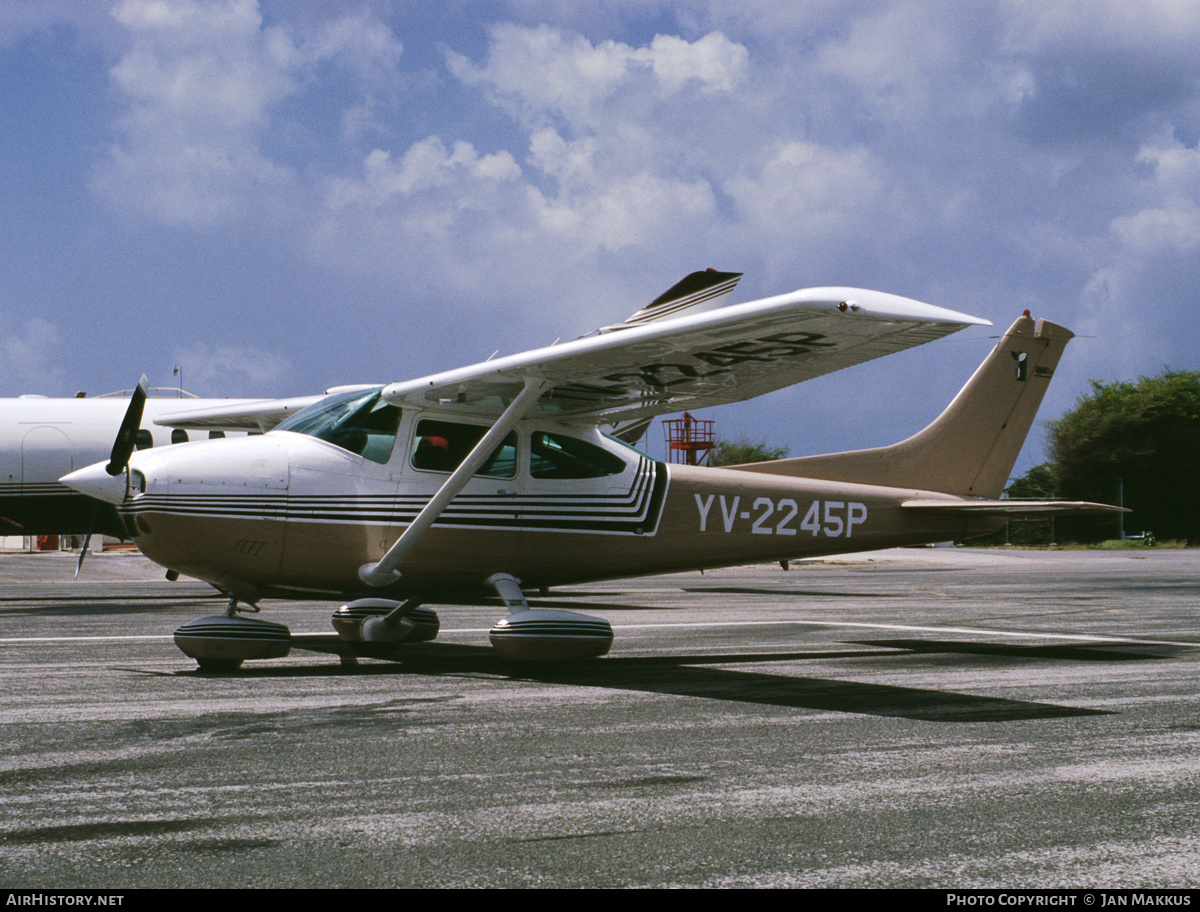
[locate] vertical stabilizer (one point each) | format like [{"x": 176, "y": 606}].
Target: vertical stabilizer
[{"x": 970, "y": 449}]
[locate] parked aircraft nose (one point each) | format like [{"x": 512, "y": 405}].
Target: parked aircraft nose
[{"x": 94, "y": 481}]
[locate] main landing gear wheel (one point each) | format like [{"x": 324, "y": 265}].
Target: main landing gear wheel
[
  {"x": 540, "y": 635},
  {"x": 376, "y": 620}
]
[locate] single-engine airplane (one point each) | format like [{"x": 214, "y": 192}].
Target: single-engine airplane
[{"x": 497, "y": 478}]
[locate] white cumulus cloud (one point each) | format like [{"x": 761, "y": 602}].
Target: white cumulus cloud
[
  {"x": 231, "y": 370},
  {"x": 202, "y": 84}
]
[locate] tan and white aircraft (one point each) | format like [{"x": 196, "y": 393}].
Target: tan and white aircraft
[{"x": 497, "y": 478}]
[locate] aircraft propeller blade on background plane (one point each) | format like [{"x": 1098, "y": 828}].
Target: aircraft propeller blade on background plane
[
  {"x": 87, "y": 542},
  {"x": 127, "y": 435}
]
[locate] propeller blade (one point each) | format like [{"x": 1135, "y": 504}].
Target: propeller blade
[{"x": 127, "y": 435}]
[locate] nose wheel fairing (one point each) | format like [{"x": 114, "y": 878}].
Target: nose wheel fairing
[{"x": 222, "y": 642}]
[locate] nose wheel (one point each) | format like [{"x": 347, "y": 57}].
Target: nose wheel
[{"x": 220, "y": 643}]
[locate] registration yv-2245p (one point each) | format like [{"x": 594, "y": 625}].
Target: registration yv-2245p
[{"x": 771, "y": 516}]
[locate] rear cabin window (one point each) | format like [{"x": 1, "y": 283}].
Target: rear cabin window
[
  {"x": 441, "y": 446},
  {"x": 556, "y": 456}
]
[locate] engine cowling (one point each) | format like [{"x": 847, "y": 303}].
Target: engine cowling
[{"x": 542, "y": 635}]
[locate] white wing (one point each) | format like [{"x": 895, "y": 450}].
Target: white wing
[
  {"x": 247, "y": 415},
  {"x": 695, "y": 361}
]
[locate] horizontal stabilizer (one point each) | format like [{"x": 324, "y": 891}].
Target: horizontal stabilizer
[
  {"x": 631, "y": 431},
  {"x": 1014, "y": 508}
]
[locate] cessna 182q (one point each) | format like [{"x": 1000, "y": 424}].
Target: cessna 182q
[{"x": 498, "y": 478}]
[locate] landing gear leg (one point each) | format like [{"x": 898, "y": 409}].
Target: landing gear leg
[{"x": 232, "y": 608}]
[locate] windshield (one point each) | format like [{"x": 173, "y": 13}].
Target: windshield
[{"x": 359, "y": 421}]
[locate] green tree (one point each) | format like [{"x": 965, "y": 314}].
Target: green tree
[
  {"x": 1141, "y": 436},
  {"x": 1039, "y": 483},
  {"x": 740, "y": 451}
]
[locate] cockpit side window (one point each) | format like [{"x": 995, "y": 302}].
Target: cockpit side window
[
  {"x": 441, "y": 446},
  {"x": 360, "y": 422},
  {"x": 557, "y": 456}
]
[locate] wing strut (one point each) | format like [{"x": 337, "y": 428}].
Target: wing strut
[{"x": 384, "y": 572}]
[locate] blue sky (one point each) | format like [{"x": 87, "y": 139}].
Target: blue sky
[{"x": 283, "y": 196}]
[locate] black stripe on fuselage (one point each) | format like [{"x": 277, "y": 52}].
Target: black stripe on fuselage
[{"x": 635, "y": 511}]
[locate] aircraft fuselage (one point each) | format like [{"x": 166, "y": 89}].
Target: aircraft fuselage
[{"x": 290, "y": 514}]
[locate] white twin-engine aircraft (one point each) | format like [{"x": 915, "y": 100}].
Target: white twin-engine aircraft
[
  {"x": 497, "y": 478},
  {"x": 42, "y": 439}
]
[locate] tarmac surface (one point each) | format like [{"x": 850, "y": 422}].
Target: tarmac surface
[{"x": 917, "y": 718}]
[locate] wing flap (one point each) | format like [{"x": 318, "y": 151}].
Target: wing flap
[{"x": 695, "y": 361}]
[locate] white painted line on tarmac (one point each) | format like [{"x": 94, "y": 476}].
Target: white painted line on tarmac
[
  {"x": 907, "y": 628},
  {"x": 713, "y": 625},
  {"x": 116, "y": 638}
]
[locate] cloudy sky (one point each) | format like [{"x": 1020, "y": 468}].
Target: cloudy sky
[{"x": 283, "y": 196}]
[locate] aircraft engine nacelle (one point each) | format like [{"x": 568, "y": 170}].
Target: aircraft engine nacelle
[
  {"x": 221, "y": 643},
  {"x": 541, "y": 635},
  {"x": 361, "y": 622}
]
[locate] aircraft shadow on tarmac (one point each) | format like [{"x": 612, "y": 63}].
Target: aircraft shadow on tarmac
[
  {"x": 1075, "y": 652},
  {"x": 569, "y": 603},
  {"x": 693, "y": 676}
]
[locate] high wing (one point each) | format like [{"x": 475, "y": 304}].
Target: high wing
[
  {"x": 695, "y": 361},
  {"x": 257, "y": 415}
]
